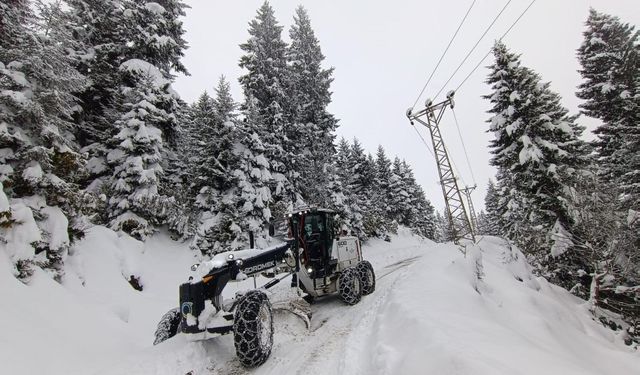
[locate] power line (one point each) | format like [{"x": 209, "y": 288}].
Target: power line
[
  {"x": 455, "y": 167},
  {"x": 424, "y": 141},
  {"x": 466, "y": 155},
  {"x": 502, "y": 37},
  {"x": 474, "y": 47},
  {"x": 443, "y": 54}
]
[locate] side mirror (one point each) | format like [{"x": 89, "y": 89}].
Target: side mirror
[{"x": 272, "y": 230}]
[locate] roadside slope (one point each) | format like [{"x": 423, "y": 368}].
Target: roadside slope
[{"x": 430, "y": 313}]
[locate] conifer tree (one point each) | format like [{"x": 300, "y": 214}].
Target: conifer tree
[
  {"x": 266, "y": 83},
  {"x": 384, "y": 184},
  {"x": 253, "y": 176},
  {"x": 607, "y": 205},
  {"x": 346, "y": 162},
  {"x": 374, "y": 221},
  {"x": 536, "y": 150},
  {"x": 158, "y": 35},
  {"x": 610, "y": 61},
  {"x": 135, "y": 203},
  {"x": 492, "y": 220},
  {"x": 351, "y": 213},
  {"x": 202, "y": 125},
  {"x": 424, "y": 220},
  {"x": 99, "y": 30},
  {"x": 216, "y": 162},
  {"x": 312, "y": 132},
  {"x": 484, "y": 226},
  {"x": 403, "y": 189},
  {"x": 106, "y": 34},
  {"x": 418, "y": 213},
  {"x": 176, "y": 179},
  {"x": 39, "y": 163},
  {"x": 443, "y": 231}
]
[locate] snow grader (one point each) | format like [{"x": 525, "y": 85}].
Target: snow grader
[{"x": 319, "y": 261}]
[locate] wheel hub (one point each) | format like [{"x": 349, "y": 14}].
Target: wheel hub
[{"x": 265, "y": 326}]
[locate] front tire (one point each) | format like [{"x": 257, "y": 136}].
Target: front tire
[
  {"x": 168, "y": 326},
  {"x": 367, "y": 277},
  {"x": 253, "y": 329},
  {"x": 349, "y": 288}
]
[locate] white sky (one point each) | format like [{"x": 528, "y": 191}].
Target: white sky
[{"x": 383, "y": 53}]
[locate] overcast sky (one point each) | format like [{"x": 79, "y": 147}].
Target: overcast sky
[{"x": 383, "y": 53}]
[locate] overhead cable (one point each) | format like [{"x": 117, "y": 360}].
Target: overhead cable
[
  {"x": 443, "y": 54},
  {"x": 474, "y": 47},
  {"x": 491, "y": 49}
]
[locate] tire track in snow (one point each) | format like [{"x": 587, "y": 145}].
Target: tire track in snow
[
  {"x": 323, "y": 349},
  {"x": 353, "y": 361}
]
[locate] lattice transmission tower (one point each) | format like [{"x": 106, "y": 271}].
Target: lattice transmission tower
[
  {"x": 430, "y": 117},
  {"x": 472, "y": 212}
]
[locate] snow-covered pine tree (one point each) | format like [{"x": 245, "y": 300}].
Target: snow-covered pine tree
[
  {"x": 158, "y": 35},
  {"x": 364, "y": 211},
  {"x": 148, "y": 49},
  {"x": 537, "y": 151},
  {"x": 493, "y": 222},
  {"x": 216, "y": 160},
  {"x": 199, "y": 151},
  {"x": 106, "y": 34},
  {"x": 39, "y": 162},
  {"x": 355, "y": 209},
  {"x": 336, "y": 194},
  {"x": 312, "y": 134},
  {"x": 266, "y": 83},
  {"x": 610, "y": 66},
  {"x": 608, "y": 206},
  {"x": 384, "y": 192},
  {"x": 403, "y": 190},
  {"x": 443, "y": 231},
  {"x": 98, "y": 47},
  {"x": 176, "y": 178},
  {"x": 419, "y": 213},
  {"x": 201, "y": 128},
  {"x": 351, "y": 217},
  {"x": 135, "y": 203},
  {"x": 252, "y": 176},
  {"x": 366, "y": 184},
  {"x": 359, "y": 177},
  {"x": 484, "y": 226}
]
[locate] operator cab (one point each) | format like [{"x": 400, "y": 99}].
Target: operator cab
[{"x": 314, "y": 230}]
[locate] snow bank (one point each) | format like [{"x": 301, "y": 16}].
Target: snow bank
[
  {"x": 437, "y": 322},
  {"x": 21, "y": 233},
  {"x": 435, "y": 311},
  {"x": 95, "y": 318}
]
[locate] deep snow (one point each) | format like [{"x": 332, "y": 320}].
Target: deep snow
[{"x": 430, "y": 314}]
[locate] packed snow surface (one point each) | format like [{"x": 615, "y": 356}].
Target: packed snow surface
[{"x": 435, "y": 311}]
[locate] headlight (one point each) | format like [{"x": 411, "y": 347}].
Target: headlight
[
  {"x": 239, "y": 262},
  {"x": 230, "y": 256},
  {"x": 195, "y": 266},
  {"x": 309, "y": 270}
]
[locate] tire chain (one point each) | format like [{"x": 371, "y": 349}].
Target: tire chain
[
  {"x": 367, "y": 277},
  {"x": 168, "y": 326},
  {"x": 348, "y": 286},
  {"x": 246, "y": 329}
]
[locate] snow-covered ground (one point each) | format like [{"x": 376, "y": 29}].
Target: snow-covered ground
[{"x": 430, "y": 314}]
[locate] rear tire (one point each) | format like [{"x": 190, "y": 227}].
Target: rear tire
[
  {"x": 349, "y": 287},
  {"x": 168, "y": 326},
  {"x": 367, "y": 277},
  {"x": 253, "y": 329}
]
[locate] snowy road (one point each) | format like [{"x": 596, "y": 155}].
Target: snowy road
[
  {"x": 430, "y": 314},
  {"x": 324, "y": 348}
]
